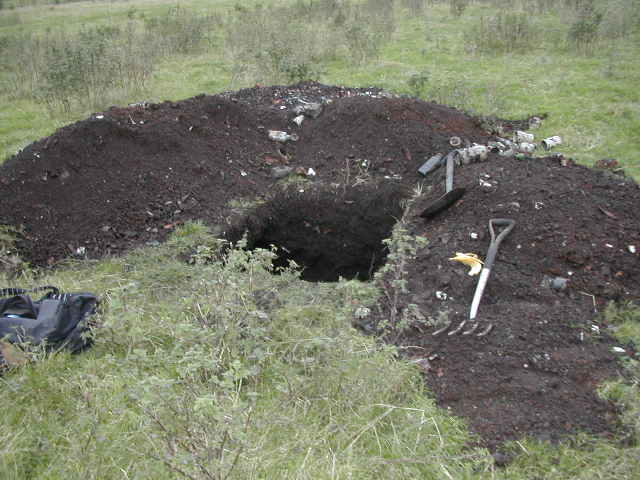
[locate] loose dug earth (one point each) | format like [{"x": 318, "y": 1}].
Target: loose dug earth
[
  {"x": 128, "y": 176},
  {"x": 536, "y": 371}
]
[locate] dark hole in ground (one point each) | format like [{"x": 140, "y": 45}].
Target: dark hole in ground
[{"x": 329, "y": 233}]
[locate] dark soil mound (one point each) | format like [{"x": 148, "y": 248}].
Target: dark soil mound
[
  {"x": 536, "y": 371},
  {"x": 127, "y": 176}
]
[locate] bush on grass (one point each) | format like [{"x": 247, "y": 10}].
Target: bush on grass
[{"x": 504, "y": 32}]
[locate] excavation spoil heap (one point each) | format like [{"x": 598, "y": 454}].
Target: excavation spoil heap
[{"x": 128, "y": 176}]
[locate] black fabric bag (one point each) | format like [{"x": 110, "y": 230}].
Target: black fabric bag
[{"x": 59, "y": 320}]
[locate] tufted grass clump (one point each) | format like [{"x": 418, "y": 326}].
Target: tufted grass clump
[{"x": 503, "y": 32}]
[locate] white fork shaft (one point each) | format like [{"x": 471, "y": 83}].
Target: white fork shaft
[{"x": 482, "y": 282}]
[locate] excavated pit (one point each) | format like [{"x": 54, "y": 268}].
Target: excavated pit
[
  {"x": 129, "y": 176},
  {"x": 329, "y": 233}
]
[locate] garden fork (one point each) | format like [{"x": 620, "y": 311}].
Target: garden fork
[{"x": 508, "y": 225}]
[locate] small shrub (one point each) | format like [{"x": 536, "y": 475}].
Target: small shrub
[
  {"x": 10, "y": 262},
  {"x": 619, "y": 314},
  {"x": 417, "y": 83},
  {"x": 7, "y": 239},
  {"x": 380, "y": 16},
  {"x": 455, "y": 93},
  {"x": 361, "y": 42},
  {"x": 84, "y": 69},
  {"x": 178, "y": 30},
  {"x": 416, "y": 7},
  {"x": 292, "y": 43},
  {"x": 621, "y": 18},
  {"x": 457, "y": 7},
  {"x": 584, "y": 32},
  {"x": 544, "y": 5},
  {"x": 503, "y": 33},
  {"x": 98, "y": 65},
  {"x": 392, "y": 277}
]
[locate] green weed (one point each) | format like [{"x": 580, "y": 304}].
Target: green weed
[
  {"x": 392, "y": 277},
  {"x": 94, "y": 66},
  {"x": 625, "y": 320},
  {"x": 418, "y": 83},
  {"x": 293, "y": 43},
  {"x": 584, "y": 32},
  {"x": 458, "y": 7},
  {"x": 10, "y": 262},
  {"x": 416, "y": 7},
  {"x": 504, "y": 32}
]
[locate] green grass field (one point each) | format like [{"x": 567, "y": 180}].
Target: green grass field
[{"x": 213, "y": 371}]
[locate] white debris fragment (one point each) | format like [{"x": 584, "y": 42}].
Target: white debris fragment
[
  {"x": 298, "y": 120},
  {"x": 99, "y": 117},
  {"x": 81, "y": 251},
  {"x": 510, "y": 152},
  {"x": 538, "y": 205},
  {"x": 441, "y": 295},
  {"x": 618, "y": 350},
  {"x": 280, "y": 136},
  {"x": 525, "y": 147},
  {"x": 455, "y": 141},
  {"x": 595, "y": 329},
  {"x": 476, "y": 152},
  {"x": 484, "y": 183},
  {"x": 473, "y": 235},
  {"x": 549, "y": 143},
  {"x": 632, "y": 248},
  {"x": 362, "y": 312},
  {"x": 311, "y": 172},
  {"x": 523, "y": 137},
  {"x": 608, "y": 245},
  {"x": 243, "y": 173}
]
